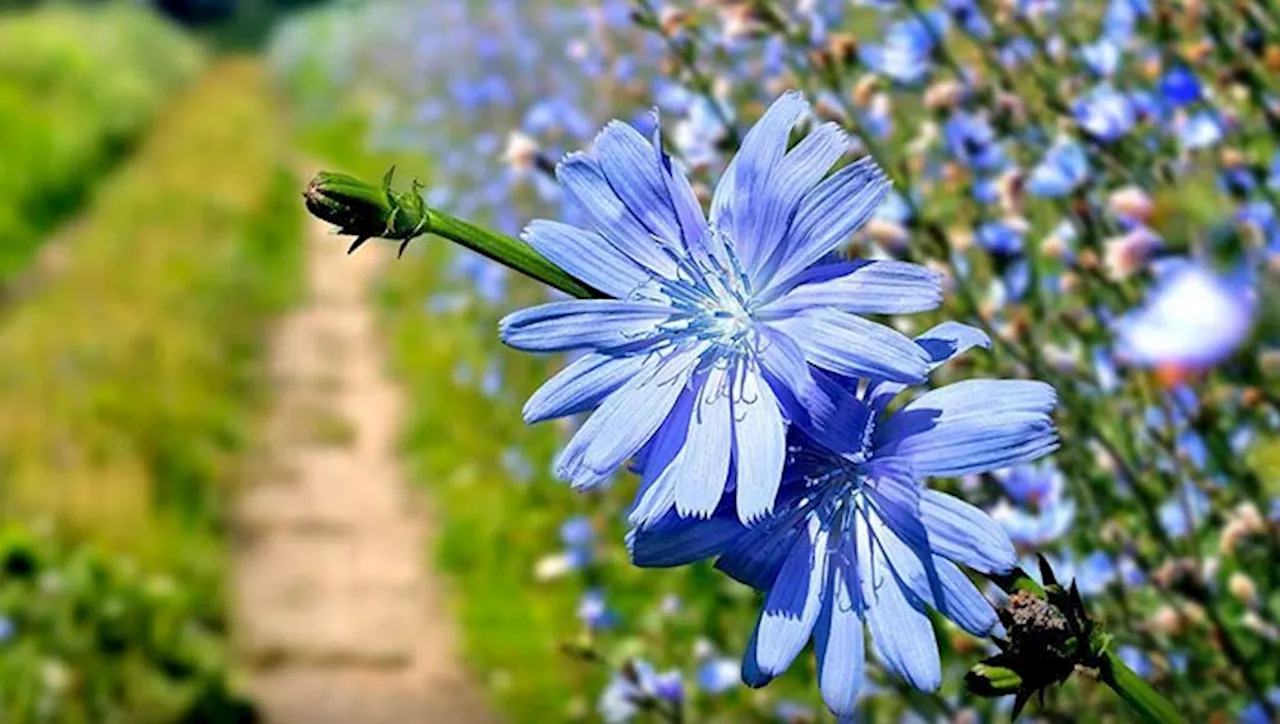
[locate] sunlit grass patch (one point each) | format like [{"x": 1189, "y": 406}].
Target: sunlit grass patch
[
  {"x": 133, "y": 376},
  {"x": 77, "y": 87}
]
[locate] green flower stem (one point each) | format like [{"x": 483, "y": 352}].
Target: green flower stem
[
  {"x": 367, "y": 211},
  {"x": 507, "y": 251},
  {"x": 1136, "y": 692}
]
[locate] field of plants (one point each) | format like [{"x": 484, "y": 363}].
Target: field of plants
[
  {"x": 132, "y": 377},
  {"x": 983, "y": 427},
  {"x": 1097, "y": 186}
]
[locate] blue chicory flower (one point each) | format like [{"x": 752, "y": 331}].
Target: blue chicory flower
[
  {"x": 1064, "y": 168},
  {"x": 1001, "y": 238},
  {"x": 906, "y": 54},
  {"x": 857, "y": 540},
  {"x": 594, "y": 611},
  {"x": 1191, "y": 320},
  {"x": 1104, "y": 113},
  {"x": 973, "y": 142},
  {"x": 1136, "y": 659},
  {"x": 719, "y": 332},
  {"x": 1183, "y": 511},
  {"x": 634, "y": 687},
  {"x": 1179, "y": 86},
  {"x": 717, "y": 675},
  {"x": 1103, "y": 57},
  {"x": 1199, "y": 130},
  {"x": 1048, "y": 522}
]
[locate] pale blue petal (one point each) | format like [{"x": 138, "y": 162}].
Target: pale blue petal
[
  {"x": 625, "y": 421},
  {"x": 582, "y": 323},
  {"x": 581, "y": 385},
  {"x": 930, "y": 578},
  {"x": 972, "y": 426},
  {"x": 586, "y": 184},
  {"x": 942, "y": 344},
  {"x": 912, "y": 564},
  {"x": 794, "y": 601},
  {"x": 784, "y": 364},
  {"x": 910, "y": 550},
  {"x": 693, "y": 222},
  {"x": 863, "y": 287},
  {"x": 961, "y": 601},
  {"x": 839, "y": 643},
  {"x": 798, "y": 172},
  {"x": 830, "y": 213},
  {"x": 701, "y": 469},
  {"x": 760, "y": 447},
  {"x": 630, "y": 164},
  {"x": 950, "y": 340},
  {"x": 657, "y": 494},
  {"x": 965, "y": 534},
  {"x": 899, "y": 625},
  {"x": 854, "y": 347},
  {"x": 742, "y": 200},
  {"x": 587, "y": 256}
]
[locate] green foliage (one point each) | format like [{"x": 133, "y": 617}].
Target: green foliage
[
  {"x": 91, "y": 637},
  {"x": 129, "y": 397},
  {"x": 77, "y": 85}
]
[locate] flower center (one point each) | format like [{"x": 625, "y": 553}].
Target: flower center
[{"x": 728, "y": 322}]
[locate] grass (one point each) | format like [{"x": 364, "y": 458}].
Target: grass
[
  {"x": 131, "y": 379},
  {"x": 77, "y": 87},
  {"x": 131, "y": 389}
]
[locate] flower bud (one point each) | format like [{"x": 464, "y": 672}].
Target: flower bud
[
  {"x": 992, "y": 681},
  {"x": 366, "y": 211}
]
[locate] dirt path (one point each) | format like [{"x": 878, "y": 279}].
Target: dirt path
[{"x": 338, "y": 616}]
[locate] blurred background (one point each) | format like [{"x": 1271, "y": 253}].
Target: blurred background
[{"x": 244, "y": 477}]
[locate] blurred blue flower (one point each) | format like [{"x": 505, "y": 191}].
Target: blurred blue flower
[
  {"x": 973, "y": 142},
  {"x": 858, "y": 541},
  {"x": 1192, "y": 319},
  {"x": 634, "y": 688},
  {"x": 1093, "y": 574},
  {"x": 1000, "y": 238},
  {"x": 594, "y": 611},
  {"x": 906, "y": 53},
  {"x": 1182, "y": 512},
  {"x": 7, "y": 629},
  {"x": 1049, "y": 521},
  {"x": 1135, "y": 659},
  {"x": 718, "y": 333},
  {"x": 517, "y": 464},
  {"x": 1103, "y": 56},
  {"x": 1104, "y": 113},
  {"x": 1064, "y": 168},
  {"x": 1179, "y": 86},
  {"x": 577, "y": 532},
  {"x": 1032, "y": 484},
  {"x": 1198, "y": 130},
  {"x": 718, "y": 674},
  {"x": 1120, "y": 19},
  {"x": 1254, "y": 713},
  {"x": 969, "y": 16},
  {"x": 578, "y": 536}
]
